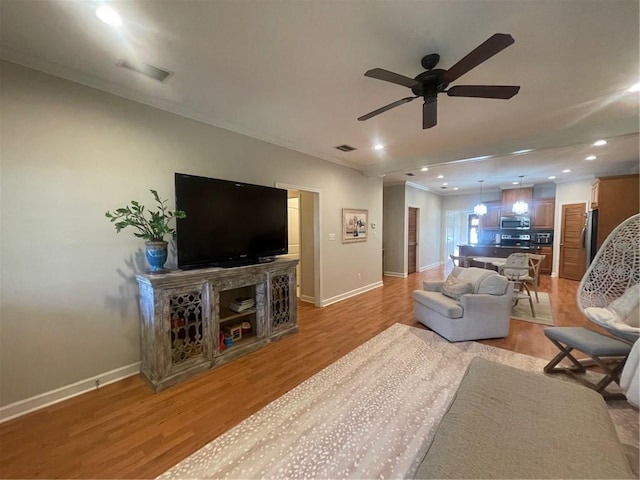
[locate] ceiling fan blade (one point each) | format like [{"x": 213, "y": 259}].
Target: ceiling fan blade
[
  {"x": 495, "y": 44},
  {"x": 483, "y": 91},
  {"x": 387, "y": 76},
  {"x": 380, "y": 110},
  {"x": 430, "y": 112}
]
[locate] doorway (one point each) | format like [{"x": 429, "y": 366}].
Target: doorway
[
  {"x": 304, "y": 240},
  {"x": 412, "y": 240},
  {"x": 572, "y": 262}
]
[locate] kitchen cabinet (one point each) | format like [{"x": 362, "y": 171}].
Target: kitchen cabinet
[
  {"x": 616, "y": 198},
  {"x": 492, "y": 218},
  {"x": 542, "y": 213},
  {"x": 547, "y": 264},
  {"x": 513, "y": 195}
]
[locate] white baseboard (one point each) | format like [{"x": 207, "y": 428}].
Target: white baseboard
[
  {"x": 352, "y": 293},
  {"x": 306, "y": 298},
  {"x": 554, "y": 275},
  {"x": 22, "y": 407},
  {"x": 427, "y": 267},
  {"x": 395, "y": 274}
]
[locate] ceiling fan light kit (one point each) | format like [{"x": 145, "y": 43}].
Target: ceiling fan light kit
[{"x": 433, "y": 81}]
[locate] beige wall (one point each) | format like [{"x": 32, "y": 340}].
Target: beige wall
[
  {"x": 69, "y": 153},
  {"x": 394, "y": 230},
  {"x": 430, "y": 224},
  {"x": 397, "y": 199}
]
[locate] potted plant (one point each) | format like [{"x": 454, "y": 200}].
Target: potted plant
[{"x": 153, "y": 226}]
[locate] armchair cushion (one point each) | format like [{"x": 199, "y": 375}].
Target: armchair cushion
[
  {"x": 494, "y": 285},
  {"x": 454, "y": 288},
  {"x": 437, "y": 302},
  {"x": 473, "y": 275}
]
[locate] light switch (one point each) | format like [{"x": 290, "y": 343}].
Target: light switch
[{"x": 373, "y": 226}]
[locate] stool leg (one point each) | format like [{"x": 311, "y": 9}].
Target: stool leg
[{"x": 565, "y": 352}]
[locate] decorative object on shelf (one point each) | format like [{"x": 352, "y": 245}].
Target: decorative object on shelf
[
  {"x": 354, "y": 225},
  {"x": 480, "y": 209},
  {"x": 152, "y": 228},
  {"x": 520, "y": 207}
]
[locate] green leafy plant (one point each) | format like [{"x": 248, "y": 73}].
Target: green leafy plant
[{"x": 153, "y": 226}]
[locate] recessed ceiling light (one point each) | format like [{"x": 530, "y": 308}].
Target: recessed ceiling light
[
  {"x": 634, "y": 88},
  {"x": 599, "y": 143},
  {"x": 440, "y": 176},
  {"x": 109, "y": 16},
  {"x": 514, "y": 183},
  {"x": 455, "y": 188},
  {"x": 445, "y": 184},
  {"x": 591, "y": 157},
  {"x": 378, "y": 147},
  {"x": 424, "y": 169},
  {"x": 552, "y": 177},
  {"x": 520, "y": 152},
  {"x": 566, "y": 170}
]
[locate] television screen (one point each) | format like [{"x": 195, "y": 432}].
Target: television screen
[{"x": 228, "y": 223}]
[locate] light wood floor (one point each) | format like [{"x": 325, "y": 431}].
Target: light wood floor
[{"x": 124, "y": 430}]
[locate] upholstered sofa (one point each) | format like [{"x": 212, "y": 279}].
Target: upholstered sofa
[{"x": 472, "y": 303}]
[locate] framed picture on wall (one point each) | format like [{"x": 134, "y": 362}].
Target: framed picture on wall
[{"x": 354, "y": 225}]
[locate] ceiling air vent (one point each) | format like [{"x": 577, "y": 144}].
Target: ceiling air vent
[
  {"x": 145, "y": 69},
  {"x": 410, "y": 174},
  {"x": 345, "y": 148}
]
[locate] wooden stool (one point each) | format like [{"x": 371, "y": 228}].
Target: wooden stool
[{"x": 604, "y": 351}]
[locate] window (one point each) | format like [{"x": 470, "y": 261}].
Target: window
[{"x": 474, "y": 229}]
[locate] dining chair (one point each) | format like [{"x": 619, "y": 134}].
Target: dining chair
[
  {"x": 516, "y": 269},
  {"x": 459, "y": 261},
  {"x": 532, "y": 279}
]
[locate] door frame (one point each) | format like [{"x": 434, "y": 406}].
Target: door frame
[
  {"x": 406, "y": 233},
  {"x": 317, "y": 247}
]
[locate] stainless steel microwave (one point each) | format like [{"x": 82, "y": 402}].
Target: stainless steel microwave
[{"x": 515, "y": 223}]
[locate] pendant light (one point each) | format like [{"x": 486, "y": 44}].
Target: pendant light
[
  {"x": 520, "y": 207},
  {"x": 480, "y": 209}
]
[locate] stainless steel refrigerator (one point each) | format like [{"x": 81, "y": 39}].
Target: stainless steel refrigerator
[{"x": 589, "y": 236}]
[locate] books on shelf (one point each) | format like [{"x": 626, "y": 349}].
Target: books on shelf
[{"x": 241, "y": 304}]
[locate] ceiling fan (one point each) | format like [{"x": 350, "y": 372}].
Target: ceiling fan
[{"x": 434, "y": 81}]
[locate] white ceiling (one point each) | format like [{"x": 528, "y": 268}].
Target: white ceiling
[{"x": 292, "y": 73}]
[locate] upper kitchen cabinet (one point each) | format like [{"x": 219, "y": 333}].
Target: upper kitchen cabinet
[
  {"x": 616, "y": 198},
  {"x": 492, "y": 218},
  {"x": 542, "y": 213},
  {"x": 513, "y": 195}
]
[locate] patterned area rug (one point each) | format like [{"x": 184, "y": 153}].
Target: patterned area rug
[
  {"x": 372, "y": 413},
  {"x": 522, "y": 311}
]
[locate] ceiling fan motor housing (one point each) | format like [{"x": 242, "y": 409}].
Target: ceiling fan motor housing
[{"x": 431, "y": 82}]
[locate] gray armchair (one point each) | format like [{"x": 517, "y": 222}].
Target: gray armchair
[{"x": 482, "y": 313}]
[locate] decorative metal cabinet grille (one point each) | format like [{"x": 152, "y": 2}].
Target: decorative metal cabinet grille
[
  {"x": 182, "y": 313},
  {"x": 187, "y": 326},
  {"x": 280, "y": 301}
]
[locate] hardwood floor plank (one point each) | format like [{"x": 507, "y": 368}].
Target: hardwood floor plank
[{"x": 124, "y": 430}]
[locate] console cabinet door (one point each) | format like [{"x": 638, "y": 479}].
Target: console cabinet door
[
  {"x": 176, "y": 331},
  {"x": 282, "y": 301}
]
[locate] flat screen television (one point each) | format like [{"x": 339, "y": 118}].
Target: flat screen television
[{"x": 228, "y": 223}]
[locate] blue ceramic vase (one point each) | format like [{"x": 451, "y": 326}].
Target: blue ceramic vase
[{"x": 156, "y": 255}]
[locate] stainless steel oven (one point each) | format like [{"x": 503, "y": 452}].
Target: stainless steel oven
[
  {"x": 515, "y": 223},
  {"x": 515, "y": 240}
]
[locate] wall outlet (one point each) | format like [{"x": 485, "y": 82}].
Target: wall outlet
[
  {"x": 359, "y": 276},
  {"x": 332, "y": 237}
]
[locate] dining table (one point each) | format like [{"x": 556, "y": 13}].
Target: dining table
[{"x": 495, "y": 261}]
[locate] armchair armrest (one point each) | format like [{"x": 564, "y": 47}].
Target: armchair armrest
[{"x": 432, "y": 286}]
